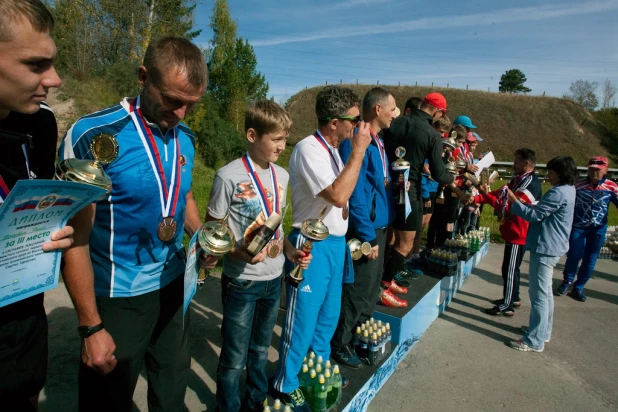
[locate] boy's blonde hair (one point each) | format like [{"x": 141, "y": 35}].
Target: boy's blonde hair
[
  {"x": 442, "y": 123},
  {"x": 266, "y": 116}
]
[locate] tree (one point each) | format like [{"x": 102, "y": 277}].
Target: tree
[
  {"x": 609, "y": 91},
  {"x": 512, "y": 81},
  {"x": 582, "y": 92},
  {"x": 234, "y": 79}
]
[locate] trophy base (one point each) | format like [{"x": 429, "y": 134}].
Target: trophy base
[{"x": 293, "y": 281}]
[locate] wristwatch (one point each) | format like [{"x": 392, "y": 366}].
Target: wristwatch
[{"x": 87, "y": 331}]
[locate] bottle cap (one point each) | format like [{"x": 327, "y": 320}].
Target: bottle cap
[
  {"x": 321, "y": 378},
  {"x": 366, "y": 333},
  {"x": 266, "y": 408},
  {"x": 320, "y": 360},
  {"x": 277, "y": 403},
  {"x": 374, "y": 336},
  {"x": 358, "y": 329},
  {"x": 305, "y": 368},
  {"x": 310, "y": 363},
  {"x": 327, "y": 373},
  {"x": 327, "y": 364},
  {"x": 318, "y": 368},
  {"x": 379, "y": 333},
  {"x": 371, "y": 321},
  {"x": 312, "y": 355},
  {"x": 336, "y": 369},
  {"x": 312, "y": 373},
  {"x": 287, "y": 408},
  {"x": 362, "y": 327}
]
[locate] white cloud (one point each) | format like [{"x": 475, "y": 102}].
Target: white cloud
[
  {"x": 355, "y": 3},
  {"x": 503, "y": 16}
]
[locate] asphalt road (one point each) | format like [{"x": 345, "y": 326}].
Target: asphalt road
[{"x": 461, "y": 363}]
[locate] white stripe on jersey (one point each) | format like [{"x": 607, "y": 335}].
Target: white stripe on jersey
[
  {"x": 111, "y": 247},
  {"x": 45, "y": 106},
  {"x": 529, "y": 197}
]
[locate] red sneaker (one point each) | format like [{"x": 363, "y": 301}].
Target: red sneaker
[
  {"x": 395, "y": 288},
  {"x": 388, "y": 299}
]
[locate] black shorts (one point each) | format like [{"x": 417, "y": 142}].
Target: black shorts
[
  {"x": 415, "y": 218},
  {"x": 432, "y": 198},
  {"x": 452, "y": 205},
  {"x": 23, "y": 352}
]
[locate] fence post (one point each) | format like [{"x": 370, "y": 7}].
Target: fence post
[
  {"x": 488, "y": 89},
  {"x": 357, "y": 82},
  {"x": 340, "y": 81},
  {"x": 378, "y": 82},
  {"x": 327, "y": 82},
  {"x": 466, "y": 87},
  {"x": 416, "y": 83},
  {"x": 431, "y": 84},
  {"x": 399, "y": 84},
  {"x": 543, "y": 93},
  {"x": 447, "y": 85}
]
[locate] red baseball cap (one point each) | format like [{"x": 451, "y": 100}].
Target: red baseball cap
[
  {"x": 436, "y": 100},
  {"x": 598, "y": 162},
  {"x": 471, "y": 137}
]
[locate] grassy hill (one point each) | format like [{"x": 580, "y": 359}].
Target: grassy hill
[{"x": 548, "y": 125}]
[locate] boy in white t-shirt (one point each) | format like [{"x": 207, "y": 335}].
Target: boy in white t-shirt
[{"x": 252, "y": 188}]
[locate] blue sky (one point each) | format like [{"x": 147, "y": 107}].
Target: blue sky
[{"x": 462, "y": 43}]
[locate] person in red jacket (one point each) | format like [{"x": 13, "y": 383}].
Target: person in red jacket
[{"x": 513, "y": 229}]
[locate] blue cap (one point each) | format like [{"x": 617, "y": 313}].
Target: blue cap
[
  {"x": 464, "y": 121},
  {"x": 477, "y": 136}
]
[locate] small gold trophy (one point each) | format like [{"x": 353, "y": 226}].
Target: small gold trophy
[
  {"x": 104, "y": 149},
  {"x": 401, "y": 165},
  {"x": 314, "y": 230},
  {"x": 485, "y": 177},
  {"x": 359, "y": 249},
  {"x": 216, "y": 239}
]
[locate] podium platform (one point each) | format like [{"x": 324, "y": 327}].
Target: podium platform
[{"x": 427, "y": 298}]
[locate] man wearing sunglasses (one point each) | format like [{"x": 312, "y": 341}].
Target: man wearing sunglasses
[
  {"x": 594, "y": 193},
  {"x": 321, "y": 187},
  {"x": 416, "y": 134}
]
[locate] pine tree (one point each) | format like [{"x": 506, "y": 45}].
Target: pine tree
[{"x": 512, "y": 81}]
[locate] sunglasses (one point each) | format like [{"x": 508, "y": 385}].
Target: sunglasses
[
  {"x": 353, "y": 119},
  {"x": 597, "y": 163}
]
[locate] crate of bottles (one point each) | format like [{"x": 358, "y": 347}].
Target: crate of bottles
[
  {"x": 610, "y": 248},
  {"x": 372, "y": 341},
  {"x": 442, "y": 262}
]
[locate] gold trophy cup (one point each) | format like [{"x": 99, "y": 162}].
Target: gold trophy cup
[
  {"x": 314, "y": 231},
  {"x": 359, "y": 249},
  {"x": 104, "y": 149},
  {"x": 401, "y": 165},
  {"x": 216, "y": 239}
]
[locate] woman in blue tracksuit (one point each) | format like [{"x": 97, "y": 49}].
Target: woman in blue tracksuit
[
  {"x": 548, "y": 239},
  {"x": 593, "y": 195}
]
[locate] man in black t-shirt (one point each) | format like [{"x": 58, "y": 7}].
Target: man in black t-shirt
[{"x": 28, "y": 137}]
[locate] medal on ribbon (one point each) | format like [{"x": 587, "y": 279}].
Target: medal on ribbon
[
  {"x": 345, "y": 212},
  {"x": 168, "y": 196},
  {"x": 273, "y": 248}
]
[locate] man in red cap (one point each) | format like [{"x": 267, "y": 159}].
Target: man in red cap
[
  {"x": 420, "y": 140},
  {"x": 589, "y": 226}
]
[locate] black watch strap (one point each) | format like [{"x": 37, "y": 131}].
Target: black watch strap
[{"x": 87, "y": 331}]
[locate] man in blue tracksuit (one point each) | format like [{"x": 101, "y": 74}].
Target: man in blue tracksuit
[
  {"x": 321, "y": 187},
  {"x": 594, "y": 193},
  {"x": 370, "y": 213}
]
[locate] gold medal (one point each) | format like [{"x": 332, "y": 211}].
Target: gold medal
[
  {"x": 167, "y": 229},
  {"x": 345, "y": 212},
  {"x": 104, "y": 148}
]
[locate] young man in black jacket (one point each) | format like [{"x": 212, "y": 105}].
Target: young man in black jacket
[{"x": 28, "y": 134}]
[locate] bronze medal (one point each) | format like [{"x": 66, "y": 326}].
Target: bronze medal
[
  {"x": 273, "y": 250},
  {"x": 167, "y": 229},
  {"x": 345, "y": 212}
]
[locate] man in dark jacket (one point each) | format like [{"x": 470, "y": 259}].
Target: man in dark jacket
[{"x": 420, "y": 140}]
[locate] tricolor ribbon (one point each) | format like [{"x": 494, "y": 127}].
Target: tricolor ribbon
[
  {"x": 261, "y": 192},
  {"x": 167, "y": 196},
  {"x": 4, "y": 190},
  {"x": 503, "y": 197},
  {"x": 322, "y": 141},
  {"x": 382, "y": 151}
]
